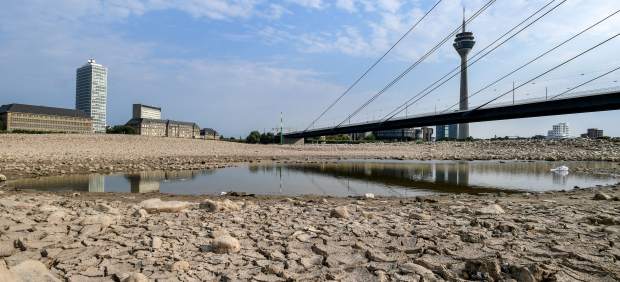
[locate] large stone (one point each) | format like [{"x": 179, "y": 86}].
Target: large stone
[
  {"x": 2, "y": 177},
  {"x": 600, "y": 196},
  {"x": 340, "y": 212},
  {"x": 31, "y": 270},
  {"x": 225, "y": 244},
  {"x": 490, "y": 210},
  {"x": 214, "y": 206},
  {"x": 157, "y": 205}
]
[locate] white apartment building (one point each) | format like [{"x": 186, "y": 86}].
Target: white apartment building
[{"x": 559, "y": 131}]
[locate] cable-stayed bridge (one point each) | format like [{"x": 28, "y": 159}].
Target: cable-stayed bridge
[
  {"x": 579, "y": 102},
  {"x": 567, "y": 102}
]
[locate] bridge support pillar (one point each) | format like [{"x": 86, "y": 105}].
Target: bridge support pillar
[{"x": 293, "y": 141}]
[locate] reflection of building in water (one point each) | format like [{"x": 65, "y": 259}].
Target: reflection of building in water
[
  {"x": 150, "y": 181},
  {"x": 457, "y": 174},
  {"x": 96, "y": 183}
]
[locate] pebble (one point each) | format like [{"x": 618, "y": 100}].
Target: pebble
[{"x": 2, "y": 177}]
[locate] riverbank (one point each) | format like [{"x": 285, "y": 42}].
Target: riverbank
[
  {"x": 553, "y": 236},
  {"x": 24, "y": 156}
]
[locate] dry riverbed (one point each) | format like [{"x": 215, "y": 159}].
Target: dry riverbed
[
  {"x": 55, "y": 154},
  {"x": 554, "y": 236}
]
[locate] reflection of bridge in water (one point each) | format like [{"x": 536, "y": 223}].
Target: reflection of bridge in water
[{"x": 433, "y": 176}]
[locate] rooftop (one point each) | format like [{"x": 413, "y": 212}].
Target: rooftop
[{"x": 42, "y": 110}]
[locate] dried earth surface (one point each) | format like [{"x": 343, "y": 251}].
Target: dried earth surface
[
  {"x": 54, "y": 154},
  {"x": 553, "y": 236}
]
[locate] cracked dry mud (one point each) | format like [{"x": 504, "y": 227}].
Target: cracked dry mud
[{"x": 553, "y": 236}]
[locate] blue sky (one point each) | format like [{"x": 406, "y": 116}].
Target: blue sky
[{"x": 234, "y": 65}]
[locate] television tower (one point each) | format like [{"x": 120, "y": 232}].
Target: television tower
[{"x": 463, "y": 43}]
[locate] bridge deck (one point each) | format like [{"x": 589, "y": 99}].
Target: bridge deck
[{"x": 582, "y": 102}]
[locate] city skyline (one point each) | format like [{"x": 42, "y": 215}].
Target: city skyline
[{"x": 199, "y": 62}]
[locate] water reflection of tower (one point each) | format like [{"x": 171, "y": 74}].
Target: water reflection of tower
[
  {"x": 463, "y": 173},
  {"x": 463, "y": 43},
  {"x": 96, "y": 183}
]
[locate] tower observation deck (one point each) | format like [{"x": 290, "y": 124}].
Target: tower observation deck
[{"x": 463, "y": 43}]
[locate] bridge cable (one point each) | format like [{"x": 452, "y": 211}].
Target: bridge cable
[
  {"x": 536, "y": 58},
  {"x": 372, "y": 66},
  {"x": 584, "y": 83},
  {"x": 550, "y": 70},
  {"x": 411, "y": 67},
  {"x": 408, "y": 103}
]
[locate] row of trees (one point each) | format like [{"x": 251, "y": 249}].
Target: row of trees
[{"x": 256, "y": 137}]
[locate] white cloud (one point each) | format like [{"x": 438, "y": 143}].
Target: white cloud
[
  {"x": 347, "y": 5},
  {"x": 314, "y": 4}
]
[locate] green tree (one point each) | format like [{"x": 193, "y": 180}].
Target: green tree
[
  {"x": 253, "y": 138},
  {"x": 370, "y": 137},
  {"x": 121, "y": 129},
  {"x": 268, "y": 138},
  {"x": 1, "y": 125}
]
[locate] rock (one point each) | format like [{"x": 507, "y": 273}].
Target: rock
[
  {"x": 56, "y": 217},
  {"x": 157, "y": 205},
  {"x": 98, "y": 219},
  {"x": 31, "y": 270},
  {"x": 214, "y": 206},
  {"x": 482, "y": 268},
  {"x": 600, "y": 196},
  {"x": 106, "y": 209},
  {"x": 180, "y": 266},
  {"x": 340, "y": 212},
  {"x": 369, "y": 196},
  {"x": 135, "y": 277},
  {"x": 412, "y": 268},
  {"x": 490, "y": 210},
  {"x": 2, "y": 177},
  {"x": 225, "y": 244},
  {"x": 6, "y": 249},
  {"x": 420, "y": 216},
  {"x": 156, "y": 243},
  {"x": 472, "y": 237},
  {"x": 141, "y": 213}
]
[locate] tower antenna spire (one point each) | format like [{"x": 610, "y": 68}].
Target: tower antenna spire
[{"x": 463, "y": 18}]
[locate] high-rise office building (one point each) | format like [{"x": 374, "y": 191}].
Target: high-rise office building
[
  {"x": 463, "y": 43},
  {"x": 447, "y": 132},
  {"x": 559, "y": 131},
  {"x": 91, "y": 92}
]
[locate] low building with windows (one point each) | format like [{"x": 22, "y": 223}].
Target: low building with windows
[
  {"x": 164, "y": 128},
  {"x": 15, "y": 117},
  {"x": 209, "y": 133},
  {"x": 593, "y": 133}
]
